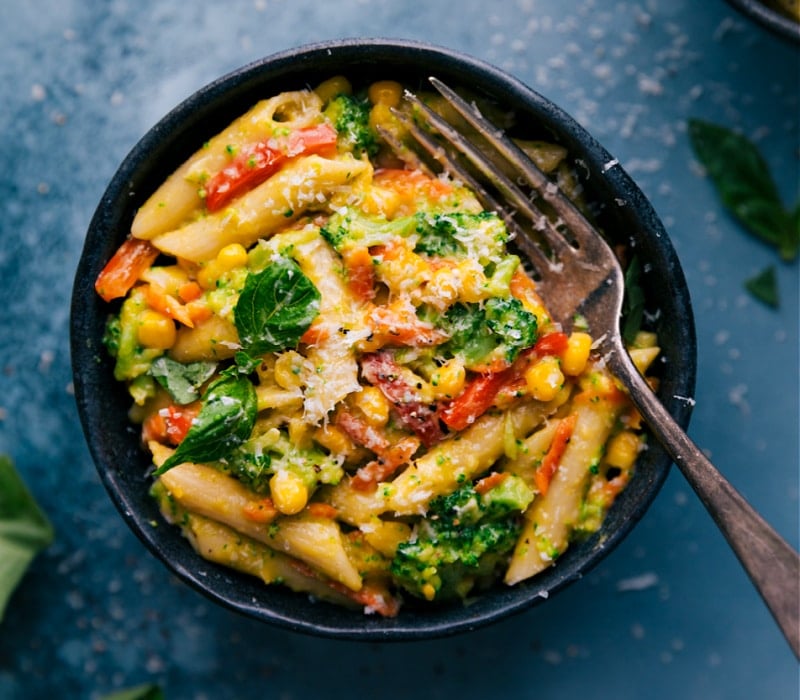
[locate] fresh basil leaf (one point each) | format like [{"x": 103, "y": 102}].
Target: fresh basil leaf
[
  {"x": 226, "y": 419},
  {"x": 744, "y": 183},
  {"x": 182, "y": 381},
  {"x": 244, "y": 364},
  {"x": 633, "y": 303},
  {"x": 790, "y": 243},
  {"x": 24, "y": 530},
  {"x": 148, "y": 691},
  {"x": 764, "y": 287},
  {"x": 275, "y": 308}
]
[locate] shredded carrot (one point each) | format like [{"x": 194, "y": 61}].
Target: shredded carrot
[
  {"x": 260, "y": 511},
  {"x": 373, "y": 596},
  {"x": 198, "y": 311},
  {"x": 189, "y": 292},
  {"x": 322, "y": 510},
  {"x": 487, "y": 483},
  {"x": 412, "y": 183},
  {"x": 168, "y": 305},
  {"x": 546, "y": 471}
]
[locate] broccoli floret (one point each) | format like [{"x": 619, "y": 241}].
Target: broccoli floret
[
  {"x": 481, "y": 236},
  {"x": 352, "y": 228},
  {"x": 349, "y": 115},
  {"x": 255, "y": 461},
  {"x": 464, "y": 541},
  {"x": 479, "y": 334}
]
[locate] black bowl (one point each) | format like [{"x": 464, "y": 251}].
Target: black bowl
[
  {"x": 103, "y": 403},
  {"x": 769, "y": 18}
]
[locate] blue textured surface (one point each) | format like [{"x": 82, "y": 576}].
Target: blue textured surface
[{"x": 668, "y": 614}]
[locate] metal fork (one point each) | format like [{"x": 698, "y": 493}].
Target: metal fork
[{"x": 578, "y": 274}]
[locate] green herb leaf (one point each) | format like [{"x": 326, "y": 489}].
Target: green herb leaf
[
  {"x": 148, "y": 691},
  {"x": 633, "y": 303},
  {"x": 745, "y": 184},
  {"x": 275, "y": 308},
  {"x": 24, "y": 530},
  {"x": 182, "y": 381},
  {"x": 225, "y": 421},
  {"x": 764, "y": 287}
]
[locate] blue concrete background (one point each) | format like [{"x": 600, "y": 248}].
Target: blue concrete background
[{"x": 669, "y": 614}]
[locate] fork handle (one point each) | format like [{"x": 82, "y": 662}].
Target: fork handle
[{"x": 771, "y": 563}]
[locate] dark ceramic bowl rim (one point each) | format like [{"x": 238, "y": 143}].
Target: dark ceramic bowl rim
[
  {"x": 768, "y": 18},
  {"x": 113, "y": 443}
]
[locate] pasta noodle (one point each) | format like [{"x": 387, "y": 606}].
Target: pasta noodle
[{"x": 345, "y": 378}]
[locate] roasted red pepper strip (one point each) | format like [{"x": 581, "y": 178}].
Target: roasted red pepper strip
[
  {"x": 258, "y": 161},
  {"x": 169, "y": 425},
  {"x": 551, "y": 344},
  {"x": 475, "y": 400},
  {"x": 119, "y": 275}
]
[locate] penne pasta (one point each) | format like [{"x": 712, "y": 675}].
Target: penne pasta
[
  {"x": 550, "y": 519},
  {"x": 461, "y": 459},
  {"x": 346, "y": 380},
  {"x": 180, "y": 197},
  {"x": 315, "y": 541},
  {"x": 269, "y": 207}
]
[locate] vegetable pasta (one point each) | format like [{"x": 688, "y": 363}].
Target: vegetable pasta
[{"x": 345, "y": 377}]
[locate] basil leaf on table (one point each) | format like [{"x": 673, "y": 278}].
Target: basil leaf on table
[
  {"x": 276, "y": 306},
  {"x": 148, "y": 691},
  {"x": 24, "y": 530},
  {"x": 764, "y": 287},
  {"x": 226, "y": 419},
  {"x": 182, "y": 381},
  {"x": 745, "y": 184}
]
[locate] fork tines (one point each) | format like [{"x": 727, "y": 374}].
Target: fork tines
[{"x": 495, "y": 166}]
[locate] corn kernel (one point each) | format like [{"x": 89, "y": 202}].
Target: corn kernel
[
  {"x": 386, "y": 92},
  {"x": 574, "y": 358},
  {"x": 474, "y": 285},
  {"x": 208, "y": 275},
  {"x": 622, "y": 450},
  {"x": 544, "y": 379},
  {"x": 332, "y": 87},
  {"x": 448, "y": 380},
  {"x": 231, "y": 256},
  {"x": 374, "y": 405},
  {"x": 289, "y": 493},
  {"x": 380, "y": 201},
  {"x": 428, "y": 591},
  {"x": 156, "y": 330}
]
